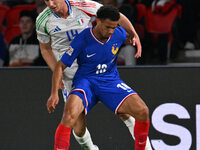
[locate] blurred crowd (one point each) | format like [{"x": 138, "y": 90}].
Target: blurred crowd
[
  {"x": 167, "y": 28},
  {"x": 18, "y": 40}
]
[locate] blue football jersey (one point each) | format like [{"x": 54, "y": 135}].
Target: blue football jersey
[{"x": 95, "y": 58}]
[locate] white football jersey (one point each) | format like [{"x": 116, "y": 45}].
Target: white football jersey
[{"x": 60, "y": 32}]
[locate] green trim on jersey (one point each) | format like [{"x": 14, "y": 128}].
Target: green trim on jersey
[
  {"x": 42, "y": 18},
  {"x": 45, "y": 28}
]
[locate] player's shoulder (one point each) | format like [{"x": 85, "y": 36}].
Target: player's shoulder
[
  {"x": 43, "y": 17},
  {"x": 86, "y": 31},
  {"x": 76, "y": 3},
  {"x": 73, "y": 1},
  {"x": 84, "y": 4},
  {"x": 84, "y": 34},
  {"x": 120, "y": 31},
  {"x": 44, "y": 14},
  {"x": 80, "y": 2},
  {"x": 82, "y": 37}
]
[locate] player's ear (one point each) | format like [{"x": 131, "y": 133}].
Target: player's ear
[{"x": 98, "y": 20}]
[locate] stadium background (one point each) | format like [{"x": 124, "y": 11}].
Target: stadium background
[{"x": 171, "y": 93}]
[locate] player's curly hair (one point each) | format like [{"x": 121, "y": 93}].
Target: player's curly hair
[{"x": 108, "y": 12}]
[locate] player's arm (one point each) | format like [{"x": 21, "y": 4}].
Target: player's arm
[
  {"x": 56, "y": 79},
  {"x": 44, "y": 39},
  {"x": 126, "y": 24},
  {"x": 48, "y": 55}
]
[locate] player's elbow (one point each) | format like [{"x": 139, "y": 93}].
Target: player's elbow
[{"x": 61, "y": 65}]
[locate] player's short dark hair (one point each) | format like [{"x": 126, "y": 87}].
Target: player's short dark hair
[
  {"x": 108, "y": 12},
  {"x": 28, "y": 13}
]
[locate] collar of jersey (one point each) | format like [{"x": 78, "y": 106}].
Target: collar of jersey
[
  {"x": 69, "y": 9},
  {"x": 91, "y": 32}
]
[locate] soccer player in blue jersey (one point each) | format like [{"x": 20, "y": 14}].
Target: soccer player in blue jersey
[
  {"x": 97, "y": 79},
  {"x": 57, "y": 25}
]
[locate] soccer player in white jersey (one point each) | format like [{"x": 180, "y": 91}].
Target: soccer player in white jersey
[{"x": 56, "y": 27}]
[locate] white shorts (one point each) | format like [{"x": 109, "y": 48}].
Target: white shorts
[
  {"x": 68, "y": 77},
  {"x": 67, "y": 89}
]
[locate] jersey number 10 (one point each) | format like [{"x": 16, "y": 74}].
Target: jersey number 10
[{"x": 101, "y": 68}]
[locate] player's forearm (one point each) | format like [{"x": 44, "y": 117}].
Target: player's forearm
[
  {"x": 56, "y": 78},
  {"x": 48, "y": 55},
  {"x": 50, "y": 59},
  {"x": 126, "y": 24}
]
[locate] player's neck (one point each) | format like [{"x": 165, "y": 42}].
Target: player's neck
[
  {"x": 98, "y": 35},
  {"x": 64, "y": 13}
]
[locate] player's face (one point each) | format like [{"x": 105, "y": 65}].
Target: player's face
[
  {"x": 55, "y": 5},
  {"x": 107, "y": 28}
]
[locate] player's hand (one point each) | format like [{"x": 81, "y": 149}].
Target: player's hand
[
  {"x": 51, "y": 103},
  {"x": 136, "y": 42}
]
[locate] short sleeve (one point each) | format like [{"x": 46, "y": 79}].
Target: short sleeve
[
  {"x": 41, "y": 26},
  {"x": 43, "y": 37},
  {"x": 88, "y": 6},
  {"x": 75, "y": 48}
]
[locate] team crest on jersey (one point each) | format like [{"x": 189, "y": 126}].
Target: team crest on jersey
[
  {"x": 115, "y": 49},
  {"x": 80, "y": 20},
  {"x": 70, "y": 51}
]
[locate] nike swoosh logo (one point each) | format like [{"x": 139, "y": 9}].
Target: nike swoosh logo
[
  {"x": 129, "y": 90},
  {"x": 88, "y": 56}
]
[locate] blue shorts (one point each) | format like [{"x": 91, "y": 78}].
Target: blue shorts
[{"x": 111, "y": 93}]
